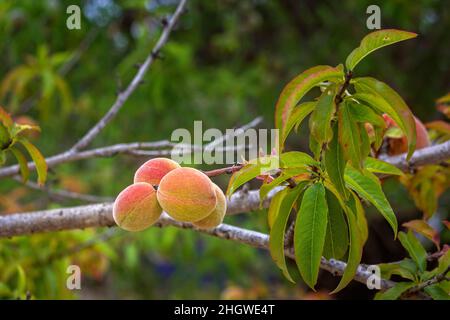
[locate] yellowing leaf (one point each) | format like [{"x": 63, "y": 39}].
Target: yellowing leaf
[
  {"x": 420, "y": 226},
  {"x": 38, "y": 159}
]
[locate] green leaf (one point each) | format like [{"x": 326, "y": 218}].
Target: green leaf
[
  {"x": 414, "y": 248},
  {"x": 38, "y": 159},
  {"x": 5, "y": 138},
  {"x": 405, "y": 268},
  {"x": 296, "y": 89},
  {"x": 370, "y": 189},
  {"x": 250, "y": 171},
  {"x": 274, "y": 207},
  {"x": 310, "y": 231},
  {"x": 362, "y": 113},
  {"x": 335, "y": 164},
  {"x": 379, "y": 166},
  {"x": 349, "y": 137},
  {"x": 361, "y": 220},
  {"x": 296, "y": 118},
  {"x": 395, "y": 292},
  {"x": 387, "y": 100},
  {"x": 319, "y": 122},
  {"x": 277, "y": 232},
  {"x": 285, "y": 175},
  {"x": 437, "y": 293},
  {"x": 315, "y": 147},
  {"x": 336, "y": 240},
  {"x": 296, "y": 159},
  {"x": 23, "y": 163},
  {"x": 365, "y": 142},
  {"x": 374, "y": 41},
  {"x": 355, "y": 250}
]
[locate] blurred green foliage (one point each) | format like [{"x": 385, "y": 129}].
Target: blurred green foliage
[{"x": 225, "y": 64}]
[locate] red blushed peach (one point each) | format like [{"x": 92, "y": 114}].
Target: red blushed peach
[
  {"x": 187, "y": 194},
  {"x": 400, "y": 145},
  {"x": 154, "y": 170},
  {"x": 216, "y": 217},
  {"x": 136, "y": 207}
]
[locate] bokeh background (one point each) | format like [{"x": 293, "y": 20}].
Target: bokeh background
[{"x": 225, "y": 64}]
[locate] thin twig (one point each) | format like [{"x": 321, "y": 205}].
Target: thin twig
[{"x": 124, "y": 95}]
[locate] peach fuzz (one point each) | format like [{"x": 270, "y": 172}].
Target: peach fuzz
[
  {"x": 216, "y": 217},
  {"x": 187, "y": 194},
  {"x": 154, "y": 170},
  {"x": 136, "y": 207}
]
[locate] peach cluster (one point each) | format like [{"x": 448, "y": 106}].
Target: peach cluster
[{"x": 186, "y": 194}]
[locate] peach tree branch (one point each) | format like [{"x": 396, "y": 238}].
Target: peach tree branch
[{"x": 124, "y": 95}]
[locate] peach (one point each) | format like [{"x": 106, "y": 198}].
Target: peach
[
  {"x": 136, "y": 207},
  {"x": 216, "y": 217},
  {"x": 154, "y": 170},
  {"x": 400, "y": 145},
  {"x": 187, "y": 194}
]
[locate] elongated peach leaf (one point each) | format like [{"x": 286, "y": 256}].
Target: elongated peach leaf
[
  {"x": 296, "y": 89},
  {"x": 310, "y": 232},
  {"x": 387, "y": 100},
  {"x": 277, "y": 232},
  {"x": 374, "y": 41},
  {"x": 23, "y": 163},
  {"x": 38, "y": 159}
]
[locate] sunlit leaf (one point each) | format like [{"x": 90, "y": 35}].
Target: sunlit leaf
[
  {"x": 310, "y": 232},
  {"x": 296, "y": 159},
  {"x": 374, "y": 41},
  {"x": 274, "y": 207},
  {"x": 250, "y": 171},
  {"x": 380, "y": 166},
  {"x": 285, "y": 175}
]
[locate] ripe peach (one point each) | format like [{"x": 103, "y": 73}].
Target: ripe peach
[
  {"x": 136, "y": 207},
  {"x": 400, "y": 145},
  {"x": 216, "y": 217},
  {"x": 154, "y": 170},
  {"x": 187, "y": 194}
]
